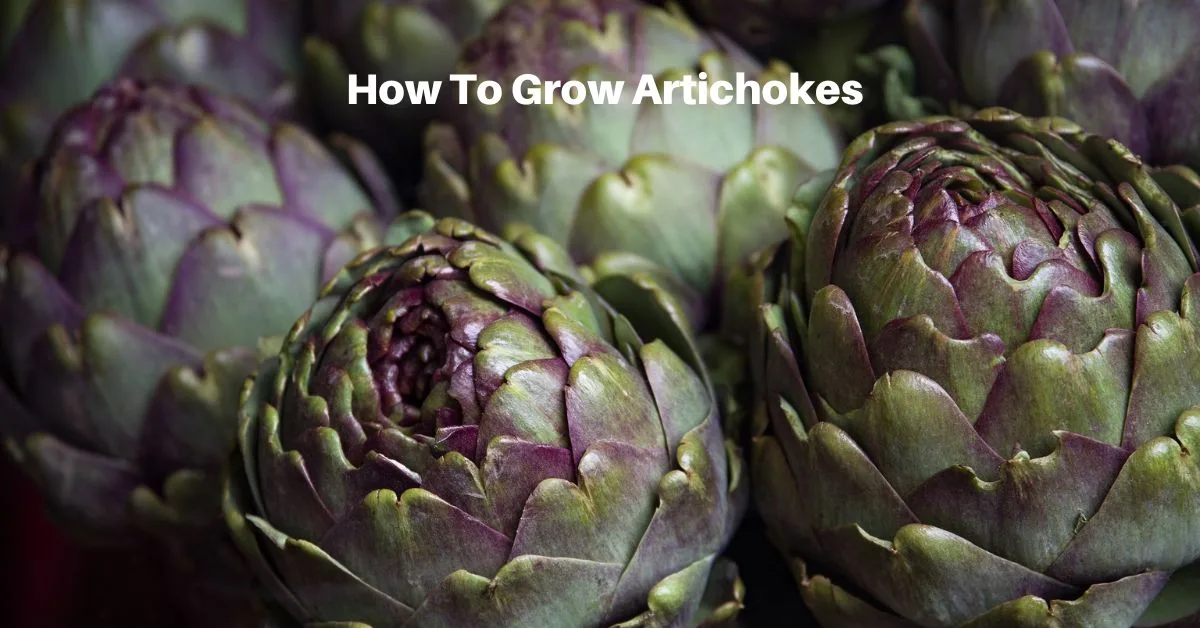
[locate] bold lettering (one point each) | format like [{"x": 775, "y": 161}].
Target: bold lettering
[{"x": 368, "y": 89}]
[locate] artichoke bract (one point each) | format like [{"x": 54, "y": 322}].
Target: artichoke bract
[
  {"x": 397, "y": 40},
  {"x": 460, "y": 434},
  {"x": 171, "y": 229},
  {"x": 688, "y": 189},
  {"x": 55, "y": 54},
  {"x": 1122, "y": 70},
  {"x": 981, "y": 380}
]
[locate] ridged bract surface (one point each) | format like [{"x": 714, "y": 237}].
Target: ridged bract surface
[
  {"x": 55, "y": 53},
  {"x": 1123, "y": 69},
  {"x": 165, "y": 230},
  {"x": 689, "y": 188},
  {"x": 982, "y": 381},
  {"x": 454, "y": 436}
]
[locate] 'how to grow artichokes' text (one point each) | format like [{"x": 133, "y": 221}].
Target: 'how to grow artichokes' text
[{"x": 530, "y": 89}]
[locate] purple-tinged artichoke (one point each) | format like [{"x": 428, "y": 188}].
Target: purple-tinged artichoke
[
  {"x": 170, "y": 229},
  {"x": 686, "y": 189},
  {"x": 979, "y": 370},
  {"x": 397, "y": 40},
  {"x": 55, "y": 53},
  {"x": 460, "y": 434},
  {"x": 1122, "y": 69}
]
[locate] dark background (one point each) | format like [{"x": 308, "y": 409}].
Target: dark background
[{"x": 48, "y": 582}]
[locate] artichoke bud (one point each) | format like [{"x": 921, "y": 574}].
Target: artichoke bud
[
  {"x": 246, "y": 48},
  {"x": 675, "y": 183},
  {"x": 994, "y": 340},
  {"x": 1058, "y": 58},
  {"x": 170, "y": 228},
  {"x": 452, "y": 417}
]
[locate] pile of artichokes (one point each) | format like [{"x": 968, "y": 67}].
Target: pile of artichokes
[{"x": 928, "y": 361}]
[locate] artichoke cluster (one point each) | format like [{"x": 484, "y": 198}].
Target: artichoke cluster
[{"x": 932, "y": 360}]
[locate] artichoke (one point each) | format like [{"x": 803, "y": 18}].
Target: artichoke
[
  {"x": 460, "y": 434},
  {"x": 1126, "y": 70},
  {"x": 979, "y": 370},
  {"x": 398, "y": 40},
  {"x": 682, "y": 190},
  {"x": 171, "y": 229},
  {"x": 55, "y": 54}
]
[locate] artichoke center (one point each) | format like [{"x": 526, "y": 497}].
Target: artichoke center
[
  {"x": 412, "y": 361},
  {"x": 977, "y": 248},
  {"x": 1022, "y": 230}
]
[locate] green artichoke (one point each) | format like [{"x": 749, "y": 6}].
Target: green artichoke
[
  {"x": 397, "y": 40},
  {"x": 56, "y": 53},
  {"x": 979, "y": 370},
  {"x": 171, "y": 228},
  {"x": 686, "y": 189},
  {"x": 1126, "y": 70},
  {"x": 459, "y": 434}
]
